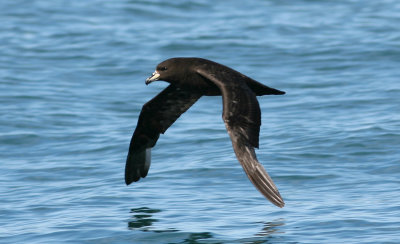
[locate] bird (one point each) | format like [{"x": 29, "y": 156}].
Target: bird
[{"x": 189, "y": 79}]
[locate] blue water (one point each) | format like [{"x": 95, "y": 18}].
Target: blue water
[{"x": 72, "y": 85}]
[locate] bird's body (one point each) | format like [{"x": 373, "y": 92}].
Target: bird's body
[{"x": 190, "y": 79}]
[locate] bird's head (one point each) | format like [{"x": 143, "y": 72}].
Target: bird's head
[{"x": 170, "y": 70}]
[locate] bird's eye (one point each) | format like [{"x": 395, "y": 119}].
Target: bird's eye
[{"x": 163, "y": 68}]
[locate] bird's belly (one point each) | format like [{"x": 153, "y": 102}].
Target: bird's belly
[
  {"x": 213, "y": 92},
  {"x": 208, "y": 88},
  {"x": 202, "y": 86}
]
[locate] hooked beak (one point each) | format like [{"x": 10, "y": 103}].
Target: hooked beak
[{"x": 153, "y": 77}]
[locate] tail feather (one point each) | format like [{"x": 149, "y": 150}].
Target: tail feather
[
  {"x": 260, "y": 89},
  {"x": 273, "y": 91}
]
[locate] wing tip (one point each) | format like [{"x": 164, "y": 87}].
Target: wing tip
[
  {"x": 279, "y": 203},
  {"x": 274, "y": 197},
  {"x": 257, "y": 173},
  {"x": 277, "y": 200},
  {"x": 130, "y": 178},
  {"x": 137, "y": 165},
  {"x": 128, "y": 181}
]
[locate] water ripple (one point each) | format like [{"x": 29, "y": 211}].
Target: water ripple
[{"x": 72, "y": 85}]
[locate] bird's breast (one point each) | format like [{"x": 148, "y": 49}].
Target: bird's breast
[{"x": 197, "y": 84}]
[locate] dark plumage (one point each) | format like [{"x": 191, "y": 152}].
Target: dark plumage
[{"x": 191, "y": 78}]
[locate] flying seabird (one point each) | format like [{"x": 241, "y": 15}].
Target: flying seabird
[{"x": 191, "y": 78}]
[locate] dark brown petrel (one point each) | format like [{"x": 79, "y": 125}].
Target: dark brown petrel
[{"x": 191, "y": 78}]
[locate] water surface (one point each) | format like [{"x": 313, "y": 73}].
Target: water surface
[{"x": 72, "y": 85}]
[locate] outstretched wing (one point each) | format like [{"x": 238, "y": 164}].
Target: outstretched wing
[
  {"x": 156, "y": 117},
  {"x": 242, "y": 117}
]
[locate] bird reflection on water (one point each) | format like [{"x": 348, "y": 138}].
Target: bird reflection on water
[
  {"x": 271, "y": 228},
  {"x": 143, "y": 219}
]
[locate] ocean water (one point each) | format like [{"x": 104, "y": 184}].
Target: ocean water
[{"x": 72, "y": 85}]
